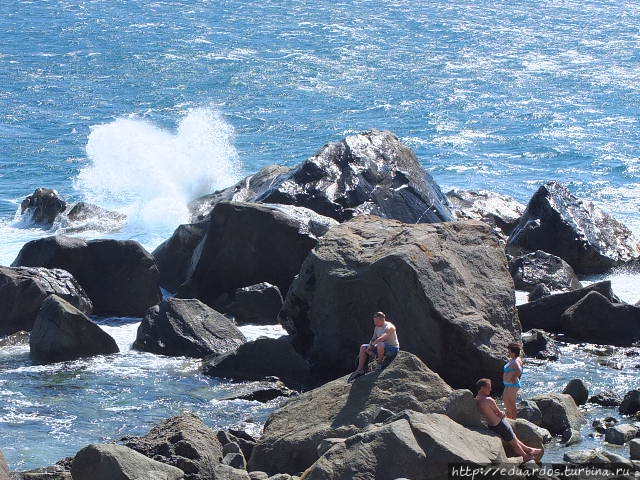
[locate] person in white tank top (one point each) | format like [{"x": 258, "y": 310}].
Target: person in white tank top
[{"x": 383, "y": 342}]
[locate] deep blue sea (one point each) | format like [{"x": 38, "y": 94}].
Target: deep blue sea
[{"x": 141, "y": 106}]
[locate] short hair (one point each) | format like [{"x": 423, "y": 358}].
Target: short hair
[
  {"x": 483, "y": 382},
  {"x": 379, "y": 315},
  {"x": 515, "y": 348}
]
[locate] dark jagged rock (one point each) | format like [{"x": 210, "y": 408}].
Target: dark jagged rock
[
  {"x": 173, "y": 256},
  {"x": 119, "y": 276},
  {"x": 18, "y": 338},
  {"x": 263, "y": 357},
  {"x": 184, "y": 442},
  {"x": 588, "y": 239},
  {"x": 546, "y": 313},
  {"x": 22, "y": 291},
  {"x": 539, "y": 344},
  {"x": 559, "y": 412},
  {"x": 256, "y": 304},
  {"x": 620, "y": 434},
  {"x": 538, "y": 292},
  {"x": 606, "y": 399},
  {"x": 246, "y": 190},
  {"x": 368, "y": 173},
  {"x": 417, "y": 446},
  {"x": 578, "y": 391},
  {"x": 186, "y": 327},
  {"x": 630, "y": 403},
  {"x": 249, "y": 243},
  {"x": 440, "y": 284},
  {"x": 237, "y": 438},
  {"x": 339, "y": 410},
  {"x": 43, "y": 205},
  {"x": 540, "y": 267},
  {"x": 595, "y": 319},
  {"x": 501, "y": 211},
  {"x": 62, "y": 332},
  {"x": 117, "y": 462},
  {"x": 87, "y": 216}
]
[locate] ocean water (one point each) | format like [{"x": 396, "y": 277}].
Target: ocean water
[{"x": 142, "y": 106}]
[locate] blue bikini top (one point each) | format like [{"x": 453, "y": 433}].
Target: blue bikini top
[{"x": 507, "y": 368}]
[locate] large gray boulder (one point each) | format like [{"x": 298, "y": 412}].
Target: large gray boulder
[
  {"x": 501, "y": 211},
  {"x": 85, "y": 216},
  {"x": 117, "y": 462},
  {"x": 263, "y": 357},
  {"x": 62, "y": 332},
  {"x": 559, "y": 223},
  {"x": 43, "y": 206},
  {"x": 184, "y": 442},
  {"x": 173, "y": 256},
  {"x": 630, "y": 404},
  {"x": 578, "y": 391},
  {"x": 417, "y": 446},
  {"x": 559, "y": 412},
  {"x": 339, "y": 409},
  {"x": 249, "y": 243},
  {"x": 246, "y": 190},
  {"x": 186, "y": 327},
  {"x": 532, "y": 269},
  {"x": 445, "y": 286},
  {"x": 368, "y": 173},
  {"x": 22, "y": 291},
  {"x": 620, "y": 434},
  {"x": 546, "y": 313},
  {"x": 595, "y": 319},
  {"x": 119, "y": 276}
]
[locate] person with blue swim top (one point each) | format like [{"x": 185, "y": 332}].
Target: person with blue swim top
[{"x": 512, "y": 371}]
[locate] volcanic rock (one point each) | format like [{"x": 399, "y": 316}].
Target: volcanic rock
[
  {"x": 62, "y": 332},
  {"x": 540, "y": 267},
  {"x": 249, "y": 243},
  {"x": 442, "y": 285},
  {"x": 501, "y": 211},
  {"x": 173, "y": 256},
  {"x": 119, "y": 276},
  {"x": 22, "y": 291},
  {"x": 368, "y": 173},
  {"x": 43, "y": 206},
  {"x": 559, "y": 223}
]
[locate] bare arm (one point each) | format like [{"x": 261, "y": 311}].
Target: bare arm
[
  {"x": 494, "y": 406},
  {"x": 385, "y": 335}
]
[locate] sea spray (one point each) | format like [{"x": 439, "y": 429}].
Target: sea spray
[{"x": 151, "y": 173}]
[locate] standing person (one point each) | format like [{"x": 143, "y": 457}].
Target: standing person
[
  {"x": 497, "y": 422},
  {"x": 512, "y": 371},
  {"x": 383, "y": 342}
]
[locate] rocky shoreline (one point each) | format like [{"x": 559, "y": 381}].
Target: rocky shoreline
[{"x": 358, "y": 227}]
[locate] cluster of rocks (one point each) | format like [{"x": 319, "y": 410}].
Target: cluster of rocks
[
  {"x": 357, "y": 228},
  {"x": 46, "y": 208}
]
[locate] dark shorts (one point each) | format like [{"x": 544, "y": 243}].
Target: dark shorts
[{"x": 504, "y": 430}]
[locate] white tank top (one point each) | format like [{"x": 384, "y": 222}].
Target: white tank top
[{"x": 392, "y": 340}]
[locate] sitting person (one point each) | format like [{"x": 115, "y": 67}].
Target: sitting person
[
  {"x": 497, "y": 422},
  {"x": 383, "y": 343}
]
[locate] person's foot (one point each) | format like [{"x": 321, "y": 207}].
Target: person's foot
[
  {"x": 355, "y": 375},
  {"x": 527, "y": 458}
]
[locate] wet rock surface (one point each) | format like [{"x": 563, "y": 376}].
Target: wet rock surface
[
  {"x": 23, "y": 289},
  {"x": 559, "y": 223},
  {"x": 188, "y": 327},
  {"x": 62, "y": 332},
  {"x": 43, "y": 206},
  {"x": 367, "y": 173},
  {"x": 532, "y": 269}
]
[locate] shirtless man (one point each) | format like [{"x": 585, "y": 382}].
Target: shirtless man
[
  {"x": 384, "y": 342},
  {"x": 497, "y": 422}
]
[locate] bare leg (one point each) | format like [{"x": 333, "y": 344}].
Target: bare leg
[
  {"x": 380, "y": 349},
  {"x": 509, "y": 396},
  {"x": 516, "y": 445},
  {"x": 363, "y": 356},
  {"x": 534, "y": 452}
]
